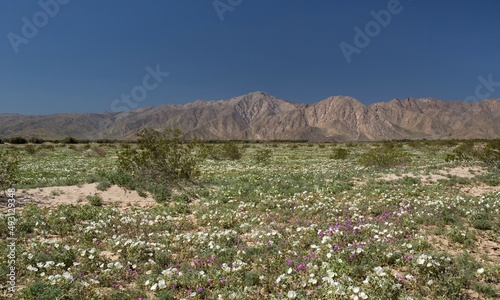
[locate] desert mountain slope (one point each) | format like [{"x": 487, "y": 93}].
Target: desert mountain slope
[{"x": 260, "y": 116}]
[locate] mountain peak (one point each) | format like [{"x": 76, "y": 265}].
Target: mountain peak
[{"x": 261, "y": 116}]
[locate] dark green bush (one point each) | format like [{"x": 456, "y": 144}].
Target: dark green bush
[
  {"x": 339, "y": 153},
  {"x": 30, "y": 149},
  {"x": 262, "y": 156},
  {"x": 17, "y": 140},
  {"x": 95, "y": 200},
  {"x": 205, "y": 151},
  {"x": 41, "y": 291},
  {"x": 464, "y": 151},
  {"x": 162, "y": 159},
  {"x": 231, "y": 151},
  {"x": 9, "y": 168},
  {"x": 384, "y": 157},
  {"x": 69, "y": 140},
  {"x": 490, "y": 155},
  {"x": 35, "y": 140}
]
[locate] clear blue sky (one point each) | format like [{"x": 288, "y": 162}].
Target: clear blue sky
[{"x": 91, "y": 52}]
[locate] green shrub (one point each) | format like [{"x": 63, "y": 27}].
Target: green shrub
[
  {"x": 490, "y": 155},
  {"x": 9, "y": 168},
  {"x": 69, "y": 140},
  {"x": 384, "y": 157},
  {"x": 48, "y": 147},
  {"x": 231, "y": 151},
  {"x": 339, "y": 153},
  {"x": 35, "y": 140},
  {"x": 17, "y": 140},
  {"x": 99, "y": 151},
  {"x": 161, "y": 160},
  {"x": 205, "y": 151},
  {"x": 30, "y": 149},
  {"x": 465, "y": 151},
  {"x": 95, "y": 200},
  {"x": 41, "y": 291},
  {"x": 103, "y": 185},
  {"x": 262, "y": 156}
]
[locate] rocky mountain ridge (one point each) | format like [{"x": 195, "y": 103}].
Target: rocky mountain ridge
[{"x": 260, "y": 116}]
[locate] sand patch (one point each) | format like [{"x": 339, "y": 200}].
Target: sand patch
[
  {"x": 76, "y": 195},
  {"x": 463, "y": 172},
  {"x": 479, "y": 190}
]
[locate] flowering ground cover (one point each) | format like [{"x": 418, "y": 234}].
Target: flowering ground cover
[{"x": 301, "y": 226}]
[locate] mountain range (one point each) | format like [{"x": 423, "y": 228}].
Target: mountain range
[{"x": 260, "y": 116}]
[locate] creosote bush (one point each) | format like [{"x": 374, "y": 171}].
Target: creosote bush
[
  {"x": 16, "y": 140},
  {"x": 386, "y": 156},
  {"x": 162, "y": 159},
  {"x": 9, "y": 168},
  {"x": 489, "y": 154},
  {"x": 262, "y": 156},
  {"x": 339, "y": 153},
  {"x": 231, "y": 151},
  {"x": 95, "y": 200},
  {"x": 69, "y": 140}
]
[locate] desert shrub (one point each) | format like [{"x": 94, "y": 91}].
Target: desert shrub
[
  {"x": 339, "y": 153},
  {"x": 17, "y": 140},
  {"x": 49, "y": 147},
  {"x": 490, "y": 154},
  {"x": 162, "y": 159},
  {"x": 262, "y": 156},
  {"x": 69, "y": 140},
  {"x": 206, "y": 151},
  {"x": 30, "y": 149},
  {"x": 95, "y": 200},
  {"x": 463, "y": 152},
  {"x": 231, "y": 151},
  {"x": 41, "y": 291},
  {"x": 384, "y": 157},
  {"x": 103, "y": 185},
  {"x": 35, "y": 140},
  {"x": 9, "y": 169},
  {"x": 99, "y": 151}
]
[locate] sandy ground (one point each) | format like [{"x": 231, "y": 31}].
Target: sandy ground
[
  {"x": 52, "y": 196},
  {"x": 464, "y": 172}
]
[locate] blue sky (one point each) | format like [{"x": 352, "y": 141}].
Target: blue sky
[{"x": 89, "y": 53}]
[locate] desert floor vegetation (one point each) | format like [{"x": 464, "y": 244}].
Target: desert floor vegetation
[{"x": 393, "y": 220}]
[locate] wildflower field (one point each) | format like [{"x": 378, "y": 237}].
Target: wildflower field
[{"x": 308, "y": 222}]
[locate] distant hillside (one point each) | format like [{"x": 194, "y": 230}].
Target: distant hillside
[{"x": 260, "y": 116}]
